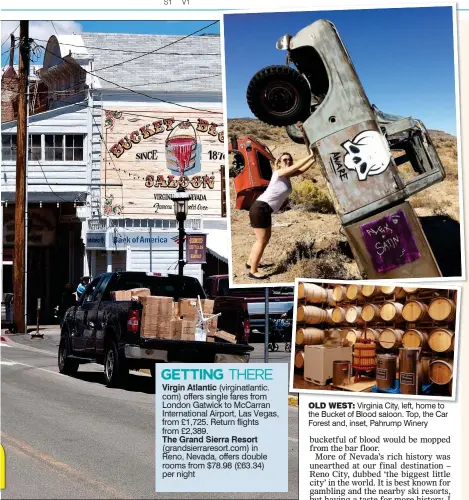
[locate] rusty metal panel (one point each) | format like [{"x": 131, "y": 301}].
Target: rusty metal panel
[
  {"x": 386, "y": 236},
  {"x": 359, "y": 166}
]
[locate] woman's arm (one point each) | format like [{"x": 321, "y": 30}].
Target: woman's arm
[
  {"x": 303, "y": 169},
  {"x": 305, "y": 162}
]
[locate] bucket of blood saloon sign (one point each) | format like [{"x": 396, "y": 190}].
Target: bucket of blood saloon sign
[{"x": 153, "y": 153}]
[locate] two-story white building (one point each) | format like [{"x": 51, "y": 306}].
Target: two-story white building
[{"x": 123, "y": 130}]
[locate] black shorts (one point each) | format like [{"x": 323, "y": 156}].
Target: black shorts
[{"x": 260, "y": 215}]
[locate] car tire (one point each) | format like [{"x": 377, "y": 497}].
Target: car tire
[
  {"x": 279, "y": 96},
  {"x": 115, "y": 368},
  {"x": 295, "y": 134},
  {"x": 66, "y": 366}
]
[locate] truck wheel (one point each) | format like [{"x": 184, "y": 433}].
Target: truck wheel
[
  {"x": 279, "y": 95},
  {"x": 295, "y": 134},
  {"x": 115, "y": 369},
  {"x": 66, "y": 366}
]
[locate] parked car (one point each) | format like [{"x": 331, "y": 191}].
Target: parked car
[{"x": 243, "y": 309}]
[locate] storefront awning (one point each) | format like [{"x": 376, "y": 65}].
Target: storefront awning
[{"x": 217, "y": 244}]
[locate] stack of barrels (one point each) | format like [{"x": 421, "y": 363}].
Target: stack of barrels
[{"x": 393, "y": 318}]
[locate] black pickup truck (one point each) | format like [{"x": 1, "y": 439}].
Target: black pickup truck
[{"x": 101, "y": 330}]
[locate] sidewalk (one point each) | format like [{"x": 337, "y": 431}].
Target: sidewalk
[{"x": 53, "y": 330}]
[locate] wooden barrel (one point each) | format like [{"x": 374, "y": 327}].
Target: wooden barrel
[
  {"x": 354, "y": 292},
  {"x": 415, "y": 311},
  {"x": 353, "y": 335},
  {"x": 371, "y": 334},
  {"x": 425, "y": 369},
  {"x": 397, "y": 291},
  {"x": 329, "y": 316},
  {"x": 441, "y": 371},
  {"x": 311, "y": 315},
  {"x": 309, "y": 336},
  {"x": 409, "y": 370},
  {"x": 370, "y": 313},
  {"x": 415, "y": 338},
  {"x": 353, "y": 315},
  {"x": 391, "y": 311},
  {"x": 337, "y": 336},
  {"x": 441, "y": 340},
  {"x": 370, "y": 290},
  {"x": 410, "y": 289},
  {"x": 442, "y": 309},
  {"x": 338, "y": 315},
  {"x": 330, "y": 298},
  {"x": 338, "y": 293},
  {"x": 299, "y": 359},
  {"x": 386, "y": 368},
  {"x": 390, "y": 338},
  {"x": 312, "y": 293}
]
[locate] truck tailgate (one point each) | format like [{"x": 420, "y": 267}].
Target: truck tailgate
[{"x": 188, "y": 351}]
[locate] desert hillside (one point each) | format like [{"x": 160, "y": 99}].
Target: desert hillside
[{"x": 307, "y": 239}]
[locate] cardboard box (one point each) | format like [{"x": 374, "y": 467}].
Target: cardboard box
[
  {"x": 188, "y": 336},
  {"x": 131, "y": 294},
  {"x": 187, "y": 309},
  {"x": 135, "y": 293},
  {"x": 207, "y": 306},
  {"x": 176, "y": 311},
  {"x": 176, "y": 329},
  {"x": 211, "y": 325},
  {"x": 156, "y": 316}
]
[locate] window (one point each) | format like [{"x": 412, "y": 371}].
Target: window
[
  {"x": 63, "y": 147},
  {"x": 74, "y": 148},
  {"x": 9, "y": 147},
  {"x": 264, "y": 166},
  {"x": 90, "y": 289},
  {"x": 54, "y": 150},
  {"x": 34, "y": 148}
]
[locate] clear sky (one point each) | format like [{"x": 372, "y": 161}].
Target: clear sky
[
  {"x": 403, "y": 57},
  {"x": 42, "y": 30}
]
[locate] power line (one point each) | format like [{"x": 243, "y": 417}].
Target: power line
[
  {"x": 54, "y": 28},
  {"x": 135, "y": 91},
  {"x": 137, "y": 51},
  {"x": 159, "y": 48},
  {"x": 58, "y": 92}
]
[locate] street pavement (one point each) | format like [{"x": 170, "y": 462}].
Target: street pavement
[{"x": 72, "y": 437}]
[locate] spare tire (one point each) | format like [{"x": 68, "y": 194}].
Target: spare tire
[
  {"x": 295, "y": 134},
  {"x": 279, "y": 95}
]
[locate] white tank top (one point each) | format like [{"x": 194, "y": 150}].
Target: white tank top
[{"x": 277, "y": 192}]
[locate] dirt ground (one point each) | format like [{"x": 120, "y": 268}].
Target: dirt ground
[{"x": 307, "y": 240}]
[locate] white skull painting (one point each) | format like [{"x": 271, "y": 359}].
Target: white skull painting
[{"x": 368, "y": 154}]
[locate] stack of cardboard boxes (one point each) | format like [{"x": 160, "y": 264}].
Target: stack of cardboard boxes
[{"x": 164, "y": 318}]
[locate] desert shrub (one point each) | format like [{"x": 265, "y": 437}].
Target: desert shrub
[{"x": 309, "y": 197}]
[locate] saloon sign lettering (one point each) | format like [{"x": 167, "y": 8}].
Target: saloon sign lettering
[{"x": 178, "y": 148}]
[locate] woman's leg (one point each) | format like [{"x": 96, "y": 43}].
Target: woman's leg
[{"x": 262, "y": 238}]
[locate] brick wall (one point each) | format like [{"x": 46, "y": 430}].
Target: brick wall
[{"x": 9, "y": 94}]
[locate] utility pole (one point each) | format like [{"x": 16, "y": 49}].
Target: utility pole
[{"x": 19, "y": 262}]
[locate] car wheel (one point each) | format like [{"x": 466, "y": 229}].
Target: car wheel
[
  {"x": 279, "y": 95},
  {"x": 66, "y": 366},
  {"x": 115, "y": 370},
  {"x": 294, "y": 132}
]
